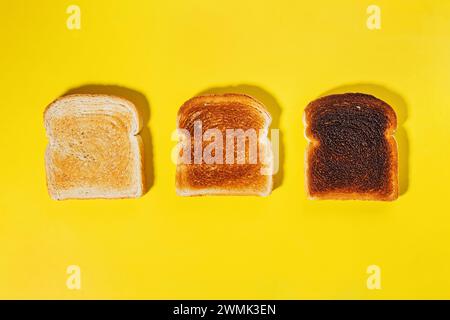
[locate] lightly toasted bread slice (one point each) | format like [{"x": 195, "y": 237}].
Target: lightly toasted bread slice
[
  {"x": 94, "y": 148},
  {"x": 352, "y": 153},
  {"x": 221, "y": 112}
]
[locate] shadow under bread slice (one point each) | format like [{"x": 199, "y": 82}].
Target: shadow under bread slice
[{"x": 352, "y": 153}]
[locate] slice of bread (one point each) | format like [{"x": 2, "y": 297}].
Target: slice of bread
[
  {"x": 94, "y": 149},
  {"x": 352, "y": 153},
  {"x": 221, "y": 112}
]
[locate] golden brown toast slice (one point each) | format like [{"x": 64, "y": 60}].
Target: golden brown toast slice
[
  {"x": 352, "y": 153},
  {"x": 222, "y": 112},
  {"x": 94, "y": 149}
]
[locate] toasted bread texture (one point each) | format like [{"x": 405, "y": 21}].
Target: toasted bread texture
[
  {"x": 222, "y": 112},
  {"x": 352, "y": 153},
  {"x": 94, "y": 148}
]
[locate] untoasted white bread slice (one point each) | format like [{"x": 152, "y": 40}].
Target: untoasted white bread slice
[
  {"x": 94, "y": 148},
  {"x": 222, "y": 112}
]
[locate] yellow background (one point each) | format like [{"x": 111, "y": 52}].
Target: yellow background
[{"x": 286, "y": 53}]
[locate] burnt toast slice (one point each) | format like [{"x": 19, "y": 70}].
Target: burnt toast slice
[
  {"x": 352, "y": 153},
  {"x": 223, "y": 112}
]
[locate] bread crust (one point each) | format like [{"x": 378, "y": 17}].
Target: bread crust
[
  {"x": 225, "y": 98},
  {"x": 94, "y": 149},
  {"x": 390, "y": 190},
  {"x": 139, "y": 120},
  {"x": 222, "y": 111}
]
